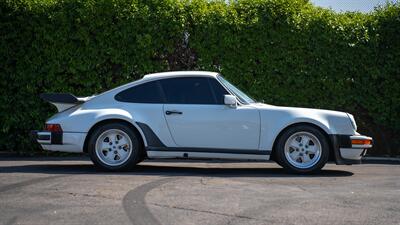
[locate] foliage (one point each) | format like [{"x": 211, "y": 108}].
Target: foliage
[{"x": 285, "y": 52}]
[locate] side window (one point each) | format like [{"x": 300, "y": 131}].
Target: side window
[
  {"x": 219, "y": 91},
  {"x": 144, "y": 93},
  {"x": 188, "y": 90}
]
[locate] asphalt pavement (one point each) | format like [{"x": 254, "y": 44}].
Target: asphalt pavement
[{"x": 71, "y": 191}]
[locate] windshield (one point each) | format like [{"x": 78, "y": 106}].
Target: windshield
[{"x": 234, "y": 90}]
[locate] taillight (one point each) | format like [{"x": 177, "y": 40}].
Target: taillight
[{"x": 53, "y": 127}]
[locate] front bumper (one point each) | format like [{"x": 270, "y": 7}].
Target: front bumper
[
  {"x": 60, "y": 141},
  {"x": 346, "y": 152}
]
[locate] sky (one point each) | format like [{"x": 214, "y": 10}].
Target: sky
[{"x": 350, "y": 5}]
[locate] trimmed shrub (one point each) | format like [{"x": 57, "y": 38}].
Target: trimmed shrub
[{"x": 284, "y": 52}]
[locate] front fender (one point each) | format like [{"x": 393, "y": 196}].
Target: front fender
[
  {"x": 275, "y": 119},
  {"x": 270, "y": 131}
]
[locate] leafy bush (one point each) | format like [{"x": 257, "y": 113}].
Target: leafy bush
[{"x": 285, "y": 52}]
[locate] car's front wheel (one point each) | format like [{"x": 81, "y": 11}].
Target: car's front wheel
[
  {"x": 114, "y": 147},
  {"x": 302, "y": 149}
]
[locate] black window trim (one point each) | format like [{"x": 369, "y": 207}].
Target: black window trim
[
  {"x": 160, "y": 88},
  {"x": 227, "y": 89},
  {"x": 164, "y": 97},
  {"x": 212, "y": 91}
]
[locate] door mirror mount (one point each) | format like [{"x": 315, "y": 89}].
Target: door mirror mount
[{"x": 230, "y": 101}]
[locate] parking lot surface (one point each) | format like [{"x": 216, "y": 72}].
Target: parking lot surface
[{"x": 71, "y": 191}]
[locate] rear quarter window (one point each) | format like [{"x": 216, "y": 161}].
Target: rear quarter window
[{"x": 144, "y": 93}]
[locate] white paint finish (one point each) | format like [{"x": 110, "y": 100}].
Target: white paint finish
[
  {"x": 214, "y": 126},
  {"x": 253, "y": 126},
  {"x": 62, "y": 106},
  {"x": 351, "y": 153},
  {"x": 72, "y": 142},
  {"x": 230, "y": 100},
  {"x": 153, "y": 116},
  {"x": 361, "y": 146},
  {"x": 62, "y": 148},
  {"x": 360, "y": 137},
  {"x": 75, "y": 140},
  {"x": 274, "y": 119},
  {"x": 180, "y": 74},
  {"x": 83, "y": 118},
  {"x": 205, "y": 155}
]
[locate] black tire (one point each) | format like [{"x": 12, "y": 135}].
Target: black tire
[
  {"x": 136, "y": 151},
  {"x": 280, "y": 156}
]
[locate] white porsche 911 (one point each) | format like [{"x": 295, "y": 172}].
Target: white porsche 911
[{"x": 197, "y": 115}]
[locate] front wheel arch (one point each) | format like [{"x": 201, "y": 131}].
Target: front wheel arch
[{"x": 331, "y": 153}]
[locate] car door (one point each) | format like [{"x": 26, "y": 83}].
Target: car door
[
  {"x": 197, "y": 117},
  {"x": 145, "y": 102}
]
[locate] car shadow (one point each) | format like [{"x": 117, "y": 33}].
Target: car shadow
[{"x": 166, "y": 170}]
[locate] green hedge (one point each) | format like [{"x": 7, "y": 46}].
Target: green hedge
[{"x": 285, "y": 52}]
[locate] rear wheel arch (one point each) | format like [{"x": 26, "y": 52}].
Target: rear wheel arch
[
  {"x": 331, "y": 153},
  {"x": 134, "y": 128}
]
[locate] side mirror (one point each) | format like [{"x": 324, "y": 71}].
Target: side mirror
[{"x": 230, "y": 100}]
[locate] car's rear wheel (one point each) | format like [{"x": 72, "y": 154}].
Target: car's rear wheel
[
  {"x": 114, "y": 147},
  {"x": 302, "y": 149}
]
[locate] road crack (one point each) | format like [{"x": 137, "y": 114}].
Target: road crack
[
  {"x": 89, "y": 195},
  {"x": 205, "y": 211}
]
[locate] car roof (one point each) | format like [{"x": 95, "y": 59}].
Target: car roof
[
  {"x": 156, "y": 76},
  {"x": 180, "y": 73}
]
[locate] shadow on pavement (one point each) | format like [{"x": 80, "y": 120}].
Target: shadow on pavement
[{"x": 165, "y": 170}]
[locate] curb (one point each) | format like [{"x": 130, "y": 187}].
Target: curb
[{"x": 378, "y": 160}]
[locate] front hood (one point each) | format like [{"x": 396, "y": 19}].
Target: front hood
[
  {"x": 299, "y": 110},
  {"x": 334, "y": 121}
]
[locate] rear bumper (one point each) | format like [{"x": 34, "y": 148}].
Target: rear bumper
[
  {"x": 347, "y": 153},
  {"x": 60, "y": 141},
  {"x": 47, "y": 137}
]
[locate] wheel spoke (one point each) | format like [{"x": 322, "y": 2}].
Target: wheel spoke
[
  {"x": 294, "y": 155},
  {"x": 110, "y": 156},
  {"x": 122, "y": 153},
  {"x": 312, "y": 148},
  {"x": 305, "y": 140},
  {"x": 306, "y": 158},
  {"x": 122, "y": 142},
  {"x": 294, "y": 144},
  {"x": 112, "y": 137},
  {"x": 105, "y": 145}
]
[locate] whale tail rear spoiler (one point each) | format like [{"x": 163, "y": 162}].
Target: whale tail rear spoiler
[{"x": 63, "y": 101}]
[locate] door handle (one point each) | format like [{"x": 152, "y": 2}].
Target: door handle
[{"x": 172, "y": 112}]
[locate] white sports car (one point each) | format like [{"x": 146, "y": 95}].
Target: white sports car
[{"x": 197, "y": 115}]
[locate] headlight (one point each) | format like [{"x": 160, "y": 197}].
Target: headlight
[{"x": 352, "y": 121}]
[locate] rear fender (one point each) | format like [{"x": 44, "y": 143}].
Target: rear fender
[
  {"x": 82, "y": 120},
  {"x": 119, "y": 114}
]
